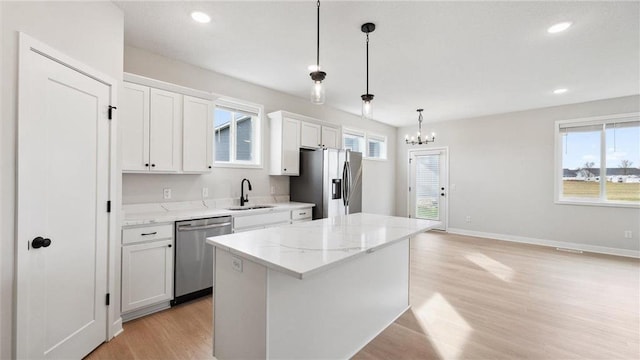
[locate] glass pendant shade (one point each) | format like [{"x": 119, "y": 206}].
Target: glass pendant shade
[
  {"x": 367, "y": 110},
  {"x": 317, "y": 93}
]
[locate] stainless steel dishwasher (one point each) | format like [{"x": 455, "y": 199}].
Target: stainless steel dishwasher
[{"x": 193, "y": 275}]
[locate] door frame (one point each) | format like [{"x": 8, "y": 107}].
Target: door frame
[
  {"x": 444, "y": 149},
  {"x": 27, "y": 45}
]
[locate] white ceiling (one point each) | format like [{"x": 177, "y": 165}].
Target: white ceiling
[{"x": 455, "y": 59}]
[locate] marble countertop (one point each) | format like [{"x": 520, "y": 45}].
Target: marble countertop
[
  {"x": 143, "y": 214},
  {"x": 303, "y": 249}
]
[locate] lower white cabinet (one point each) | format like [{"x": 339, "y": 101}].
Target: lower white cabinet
[
  {"x": 147, "y": 268},
  {"x": 301, "y": 215},
  {"x": 260, "y": 221}
]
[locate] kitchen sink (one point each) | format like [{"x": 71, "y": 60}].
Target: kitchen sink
[{"x": 250, "y": 207}]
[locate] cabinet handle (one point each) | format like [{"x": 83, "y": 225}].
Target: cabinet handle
[
  {"x": 209, "y": 166},
  {"x": 302, "y": 213},
  {"x": 169, "y": 245},
  {"x": 146, "y": 165},
  {"x": 153, "y": 165},
  {"x": 285, "y": 169},
  {"x": 151, "y": 233}
]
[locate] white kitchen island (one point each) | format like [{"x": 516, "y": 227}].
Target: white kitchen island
[{"x": 320, "y": 289}]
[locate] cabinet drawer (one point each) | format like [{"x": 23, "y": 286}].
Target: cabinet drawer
[
  {"x": 300, "y": 214},
  {"x": 240, "y": 222},
  {"x": 146, "y": 233}
]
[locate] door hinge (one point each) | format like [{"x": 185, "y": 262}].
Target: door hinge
[
  {"x": 410, "y": 160},
  {"x": 107, "y": 299},
  {"x": 111, "y": 108},
  {"x": 109, "y": 206},
  {"x": 409, "y": 188}
]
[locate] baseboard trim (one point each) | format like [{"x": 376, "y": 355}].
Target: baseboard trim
[
  {"x": 549, "y": 243},
  {"x": 117, "y": 328}
]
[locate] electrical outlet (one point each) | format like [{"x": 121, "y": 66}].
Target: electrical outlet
[
  {"x": 236, "y": 264},
  {"x": 205, "y": 192},
  {"x": 468, "y": 219},
  {"x": 273, "y": 189},
  {"x": 166, "y": 193},
  {"x": 628, "y": 234}
]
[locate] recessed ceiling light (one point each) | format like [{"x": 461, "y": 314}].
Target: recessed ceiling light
[
  {"x": 560, "y": 91},
  {"x": 559, "y": 27},
  {"x": 200, "y": 17}
]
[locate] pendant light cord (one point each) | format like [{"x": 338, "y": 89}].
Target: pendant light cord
[
  {"x": 318, "y": 43},
  {"x": 367, "y": 63}
]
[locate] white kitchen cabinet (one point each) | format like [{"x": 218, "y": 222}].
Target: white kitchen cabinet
[
  {"x": 147, "y": 269},
  {"x": 197, "y": 143},
  {"x": 285, "y": 145},
  {"x": 310, "y": 135},
  {"x": 314, "y": 136},
  {"x": 260, "y": 221},
  {"x": 301, "y": 215},
  {"x": 331, "y": 137},
  {"x": 134, "y": 126},
  {"x": 165, "y": 135},
  {"x": 151, "y": 122}
]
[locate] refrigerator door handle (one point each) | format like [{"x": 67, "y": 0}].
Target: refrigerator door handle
[{"x": 345, "y": 184}]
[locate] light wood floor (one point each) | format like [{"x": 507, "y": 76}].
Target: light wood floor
[{"x": 471, "y": 298}]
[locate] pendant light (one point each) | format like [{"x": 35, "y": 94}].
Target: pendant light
[
  {"x": 317, "y": 89},
  {"x": 367, "y": 110},
  {"x": 419, "y": 140}
]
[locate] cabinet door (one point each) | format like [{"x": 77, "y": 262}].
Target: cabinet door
[
  {"x": 290, "y": 146},
  {"x": 134, "y": 126},
  {"x": 330, "y": 137},
  {"x": 310, "y": 136},
  {"x": 197, "y": 135},
  {"x": 147, "y": 274},
  {"x": 165, "y": 138}
]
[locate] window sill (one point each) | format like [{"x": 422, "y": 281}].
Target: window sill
[
  {"x": 374, "y": 159},
  {"x": 597, "y": 203},
  {"x": 237, "y": 165}
]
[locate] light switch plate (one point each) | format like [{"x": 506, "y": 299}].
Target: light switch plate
[{"x": 236, "y": 263}]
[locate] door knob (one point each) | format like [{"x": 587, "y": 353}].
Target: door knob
[{"x": 39, "y": 242}]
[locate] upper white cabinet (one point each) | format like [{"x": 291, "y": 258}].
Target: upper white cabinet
[
  {"x": 285, "y": 145},
  {"x": 290, "y": 132},
  {"x": 314, "y": 135},
  {"x": 197, "y": 152},
  {"x": 165, "y": 136},
  {"x": 134, "y": 124},
  {"x": 331, "y": 137},
  {"x": 151, "y": 134},
  {"x": 165, "y": 131},
  {"x": 310, "y": 135}
]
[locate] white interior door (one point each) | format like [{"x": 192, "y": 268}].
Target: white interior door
[
  {"x": 63, "y": 188},
  {"x": 428, "y": 185}
]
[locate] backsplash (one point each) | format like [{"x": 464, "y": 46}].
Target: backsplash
[{"x": 222, "y": 183}]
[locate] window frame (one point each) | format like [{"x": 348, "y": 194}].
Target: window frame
[
  {"x": 365, "y": 135},
  {"x": 558, "y": 168},
  {"x": 256, "y": 129}
]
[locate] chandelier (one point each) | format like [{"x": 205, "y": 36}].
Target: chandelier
[{"x": 419, "y": 140}]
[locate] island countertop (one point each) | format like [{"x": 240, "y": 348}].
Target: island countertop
[{"x": 303, "y": 249}]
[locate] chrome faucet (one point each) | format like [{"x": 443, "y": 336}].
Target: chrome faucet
[{"x": 244, "y": 198}]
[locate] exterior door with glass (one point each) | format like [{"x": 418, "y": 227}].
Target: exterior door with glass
[{"x": 428, "y": 185}]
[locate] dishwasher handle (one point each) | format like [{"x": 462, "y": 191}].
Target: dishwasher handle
[{"x": 203, "y": 227}]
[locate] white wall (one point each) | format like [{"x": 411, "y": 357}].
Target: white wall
[
  {"x": 90, "y": 32},
  {"x": 503, "y": 170},
  {"x": 378, "y": 186}
]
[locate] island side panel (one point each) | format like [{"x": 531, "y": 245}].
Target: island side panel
[
  {"x": 239, "y": 308},
  {"x": 334, "y": 313}
]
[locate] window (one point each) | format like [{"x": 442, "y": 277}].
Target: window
[
  {"x": 353, "y": 140},
  {"x": 376, "y": 147},
  {"x": 237, "y": 134},
  {"x": 598, "y": 160},
  {"x": 371, "y": 146}
]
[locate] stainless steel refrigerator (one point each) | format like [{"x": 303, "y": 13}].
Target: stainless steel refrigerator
[{"x": 331, "y": 179}]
